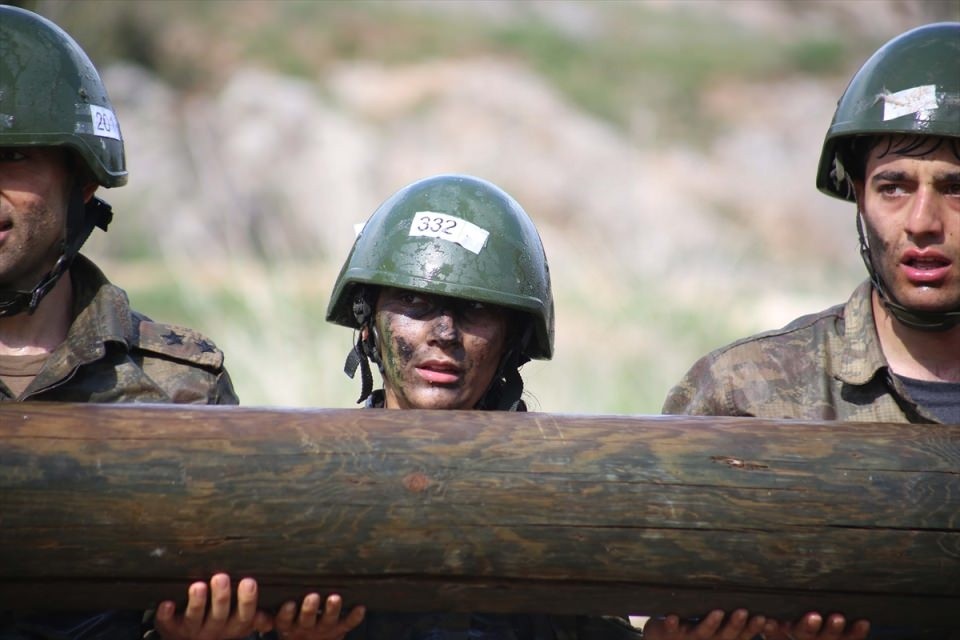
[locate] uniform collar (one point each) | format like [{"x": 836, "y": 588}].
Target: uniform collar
[{"x": 861, "y": 355}]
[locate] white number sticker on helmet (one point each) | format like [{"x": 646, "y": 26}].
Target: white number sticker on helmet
[
  {"x": 917, "y": 100},
  {"x": 440, "y": 225},
  {"x": 104, "y": 123}
]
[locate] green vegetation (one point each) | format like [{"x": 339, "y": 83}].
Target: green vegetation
[
  {"x": 620, "y": 347},
  {"x": 636, "y": 55}
]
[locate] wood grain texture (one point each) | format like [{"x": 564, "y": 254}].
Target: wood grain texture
[{"x": 119, "y": 506}]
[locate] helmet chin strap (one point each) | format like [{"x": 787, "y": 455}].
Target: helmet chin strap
[
  {"x": 506, "y": 389},
  {"x": 365, "y": 349},
  {"x": 82, "y": 217},
  {"x": 921, "y": 320}
]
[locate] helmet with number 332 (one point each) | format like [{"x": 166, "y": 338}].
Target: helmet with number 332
[{"x": 455, "y": 236}]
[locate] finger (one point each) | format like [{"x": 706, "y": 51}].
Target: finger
[
  {"x": 163, "y": 619},
  {"x": 196, "y": 608},
  {"x": 285, "y": 616},
  {"x": 709, "y": 625},
  {"x": 833, "y": 627},
  {"x": 241, "y": 623},
  {"x": 859, "y": 631},
  {"x": 309, "y": 610},
  {"x": 331, "y": 610},
  {"x": 356, "y": 615},
  {"x": 755, "y": 626},
  {"x": 219, "y": 601},
  {"x": 734, "y": 624},
  {"x": 672, "y": 624},
  {"x": 770, "y": 628},
  {"x": 809, "y": 626},
  {"x": 263, "y": 622}
]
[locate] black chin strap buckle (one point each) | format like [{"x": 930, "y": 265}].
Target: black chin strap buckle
[{"x": 357, "y": 358}]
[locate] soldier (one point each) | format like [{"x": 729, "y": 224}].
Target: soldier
[
  {"x": 66, "y": 333},
  {"x": 449, "y": 289},
  {"x": 892, "y": 352}
]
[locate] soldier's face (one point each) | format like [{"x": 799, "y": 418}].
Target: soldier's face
[
  {"x": 911, "y": 210},
  {"x": 438, "y": 352},
  {"x": 34, "y": 183}
]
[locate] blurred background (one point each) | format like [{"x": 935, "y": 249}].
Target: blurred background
[{"x": 666, "y": 150}]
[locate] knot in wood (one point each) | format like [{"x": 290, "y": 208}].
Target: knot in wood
[
  {"x": 737, "y": 463},
  {"x": 416, "y": 482}
]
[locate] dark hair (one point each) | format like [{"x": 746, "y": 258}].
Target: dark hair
[{"x": 855, "y": 151}]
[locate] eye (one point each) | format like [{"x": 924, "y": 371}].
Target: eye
[
  {"x": 410, "y": 298},
  {"x": 890, "y": 189},
  {"x": 480, "y": 312}
]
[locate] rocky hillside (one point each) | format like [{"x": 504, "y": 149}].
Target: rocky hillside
[{"x": 673, "y": 222}]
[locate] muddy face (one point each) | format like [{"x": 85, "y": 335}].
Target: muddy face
[
  {"x": 438, "y": 352},
  {"x": 34, "y": 184},
  {"x": 911, "y": 210}
]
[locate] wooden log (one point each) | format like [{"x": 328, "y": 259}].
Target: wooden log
[{"x": 119, "y": 506}]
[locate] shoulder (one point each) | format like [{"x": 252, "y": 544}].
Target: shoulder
[
  {"x": 752, "y": 370},
  {"x": 174, "y": 342},
  {"x": 796, "y": 336},
  {"x": 187, "y": 365}
]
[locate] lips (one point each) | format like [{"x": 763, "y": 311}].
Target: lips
[
  {"x": 925, "y": 267},
  {"x": 439, "y": 371}
]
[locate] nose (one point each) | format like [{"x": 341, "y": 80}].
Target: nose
[
  {"x": 443, "y": 327},
  {"x": 925, "y": 218}
]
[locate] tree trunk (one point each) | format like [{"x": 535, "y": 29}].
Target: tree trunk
[{"x": 110, "y": 506}]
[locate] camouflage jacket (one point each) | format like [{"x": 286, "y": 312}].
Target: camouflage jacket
[
  {"x": 825, "y": 366},
  {"x": 114, "y": 354}
]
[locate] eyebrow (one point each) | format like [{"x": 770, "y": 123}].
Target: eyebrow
[
  {"x": 889, "y": 176},
  {"x": 901, "y": 176}
]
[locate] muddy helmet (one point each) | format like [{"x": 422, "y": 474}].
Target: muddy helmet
[
  {"x": 911, "y": 85},
  {"x": 52, "y": 96},
  {"x": 456, "y": 236}
]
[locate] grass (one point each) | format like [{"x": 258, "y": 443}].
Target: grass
[
  {"x": 636, "y": 56},
  {"x": 269, "y": 320},
  {"x": 617, "y": 353}
]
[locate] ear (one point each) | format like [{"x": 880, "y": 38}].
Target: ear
[
  {"x": 858, "y": 190},
  {"x": 88, "y": 191}
]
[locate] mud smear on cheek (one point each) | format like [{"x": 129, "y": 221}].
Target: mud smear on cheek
[
  {"x": 397, "y": 355},
  {"x": 404, "y": 351}
]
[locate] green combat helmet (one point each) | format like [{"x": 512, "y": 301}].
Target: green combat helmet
[
  {"x": 910, "y": 86},
  {"x": 456, "y": 236},
  {"x": 52, "y": 96}
]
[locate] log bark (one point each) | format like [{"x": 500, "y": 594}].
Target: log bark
[{"x": 111, "y": 506}]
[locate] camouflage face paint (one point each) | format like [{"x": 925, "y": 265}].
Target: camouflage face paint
[{"x": 438, "y": 353}]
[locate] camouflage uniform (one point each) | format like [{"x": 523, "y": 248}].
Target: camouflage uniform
[
  {"x": 825, "y": 366},
  {"x": 114, "y": 354}
]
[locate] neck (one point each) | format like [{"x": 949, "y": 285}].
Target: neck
[
  {"x": 922, "y": 355},
  {"x": 43, "y": 330}
]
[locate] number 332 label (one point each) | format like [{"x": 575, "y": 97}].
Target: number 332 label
[{"x": 440, "y": 225}]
